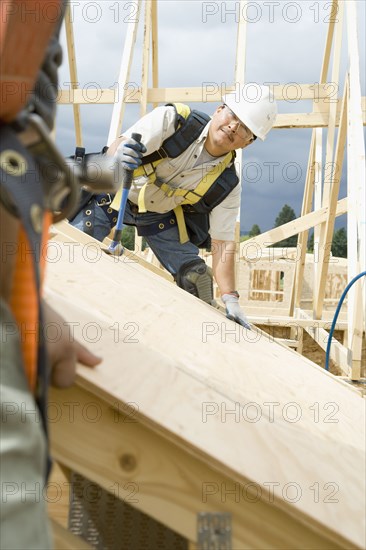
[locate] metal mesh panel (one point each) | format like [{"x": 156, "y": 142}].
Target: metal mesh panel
[
  {"x": 214, "y": 531},
  {"x": 108, "y": 523}
]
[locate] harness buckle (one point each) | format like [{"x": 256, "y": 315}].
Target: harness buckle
[{"x": 104, "y": 201}]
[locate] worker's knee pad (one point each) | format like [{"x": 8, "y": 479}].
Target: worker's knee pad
[{"x": 196, "y": 278}]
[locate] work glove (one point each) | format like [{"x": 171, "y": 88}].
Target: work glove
[
  {"x": 130, "y": 153},
  {"x": 234, "y": 311}
]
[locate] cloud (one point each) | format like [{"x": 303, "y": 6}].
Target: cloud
[{"x": 196, "y": 41}]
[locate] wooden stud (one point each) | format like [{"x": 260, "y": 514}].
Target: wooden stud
[
  {"x": 303, "y": 236},
  {"x": 288, "y": 229},
  {"x": 154, "y": 47},
  {"x": 239, "y": 78},
  {"x": 119, "y": 106},
  {"x": 317, "y": 202},
  {"x": 356, "y": 176},
  {"x": 329, "y": 42},
  {"x": 73, "y": 73},
  {"x": 145, "y": 57},
  {"x": 333, "y": 104},
  {"x": 328, "y": 176},
  {"x": 338, "y": 353},
  {"x": 326, "y": 240}
]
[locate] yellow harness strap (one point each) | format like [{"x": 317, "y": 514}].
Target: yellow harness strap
[
  {"x": 182, "y": 228},
  {"x": 189, "y": 196}
]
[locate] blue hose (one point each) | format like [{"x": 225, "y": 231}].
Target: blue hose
[{"x": 344, "y": 293}]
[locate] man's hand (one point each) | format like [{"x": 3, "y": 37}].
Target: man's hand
[
  {"x": 234, "y": 311},
  {"x": 65, "y": 352},
  {"x": 130, "y": 153}
]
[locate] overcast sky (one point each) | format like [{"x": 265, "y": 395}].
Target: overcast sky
[{"x": 196, "y": 43}]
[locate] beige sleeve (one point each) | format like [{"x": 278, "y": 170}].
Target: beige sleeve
[
  {"x": 155, "y": 127},
  {"x": 223, "y": 217}
]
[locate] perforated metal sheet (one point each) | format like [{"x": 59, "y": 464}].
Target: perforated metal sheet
[
  {"x": 108, "y": 523},
  {"x": 214, "y": 531}
]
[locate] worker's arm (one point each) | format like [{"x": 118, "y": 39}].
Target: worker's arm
[
  {"x": 223, "y": 266},
  {"x": 63, "y": 352}
]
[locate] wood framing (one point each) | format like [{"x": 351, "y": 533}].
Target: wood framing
[
  {"x": 325, "y": 240},
  {"x": 73, "y": 74},
  {"x": 119, "y": 106},
  {"x": 179, "y": 413},
  {"x": 287, "y": 230},
  {"x": 338, "y": 116},
  {"x": 356, "y": 176}
]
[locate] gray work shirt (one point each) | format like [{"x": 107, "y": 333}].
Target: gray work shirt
[{"x": 185, "y": 172}]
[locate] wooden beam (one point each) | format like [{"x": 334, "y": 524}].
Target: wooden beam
[
  {"x": 173, "y": 449},
  {"x": 338, "y": 353},
  {"x": 329, "y": 41},
  {"x": 63, "y": 230},
  {"x": 325, "y": 241},
  {"x": 302, "y": 240},
  {"x": 356, "y": 176},
  {"x": 295, "y": 322},
  {"x": 291, "y": 228},
  {"x": 239, "y": 79},
  {"x": 317, "y": 201},
  {"x": 241, "y": 47},
  {"x": 73, "y": 73},
  {"x": 334, "y": 105},
  {"x": 154, "y": 47},
  {"x": 168, "y": 483},
  {"x": 124, "y": 73},
  {"x": 145, "y": 57},
  {"x": 309, "y": 120}
]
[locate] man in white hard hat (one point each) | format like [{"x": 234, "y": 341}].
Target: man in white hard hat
[{"x": 185, "y": 189}]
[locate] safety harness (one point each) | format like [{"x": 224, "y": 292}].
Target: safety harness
[
  {"x": 24, "y": 191},
  {"x": 214, "y": 187}
]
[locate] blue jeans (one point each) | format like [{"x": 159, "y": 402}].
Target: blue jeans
[{"x": 165, "y": 244}]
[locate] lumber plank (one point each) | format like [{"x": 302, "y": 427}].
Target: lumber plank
[
  {"x": 291, "y": 228},
  {"x": 303, "y": 235},
  {"x": 338, "y": 353},
  {"x": 70, "y": 41},
  {"x": 75, "y": 237},
  {"x": 170, "y": 356},
  {"x": 118, "y": 98},
  {"x": 146, "y": 57},
  {"x": 356, "y": 176},
  {"x": 154, "y": 47},
  {"x": 326, "y": 232},
  {"x": 166, "y": 481}
]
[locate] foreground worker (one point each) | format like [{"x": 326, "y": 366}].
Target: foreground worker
[
  {"x": 185, "y": 192},
  {"x": 28, "y": 360}
]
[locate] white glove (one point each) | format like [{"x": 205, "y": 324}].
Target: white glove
[
  {"x": 130, "y": 153},
  {"x": 234, "y": 311}
]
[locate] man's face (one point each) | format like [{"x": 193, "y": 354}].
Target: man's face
[{"x": 227, "y": 133}]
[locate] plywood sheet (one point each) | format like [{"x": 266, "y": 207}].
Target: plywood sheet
[{"x": 244, "y": 404}]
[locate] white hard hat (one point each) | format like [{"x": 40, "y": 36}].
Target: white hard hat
[{"x": 255, "y": 106}]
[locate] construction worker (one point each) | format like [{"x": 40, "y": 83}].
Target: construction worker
[
  {"x": 185, "y": 188},
  {"x": 28, "y": 360}
]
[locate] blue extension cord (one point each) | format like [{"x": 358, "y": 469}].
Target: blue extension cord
[{"x": 344, "y": 293}]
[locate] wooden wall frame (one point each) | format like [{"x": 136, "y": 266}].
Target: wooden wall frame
[{"x": 321, "y": 203}]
